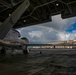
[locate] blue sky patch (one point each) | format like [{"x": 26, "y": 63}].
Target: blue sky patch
[{"x": 71, "y": 28}]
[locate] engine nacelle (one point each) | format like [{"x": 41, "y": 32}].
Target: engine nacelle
[{"x": 25, "y": 39}]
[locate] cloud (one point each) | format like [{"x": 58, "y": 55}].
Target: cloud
[
  {"x": 60, "y": 24},
  {"x": 35, "y": 34},
  {"x": 63, "y": 36},
  {"x": 67, "y": 36},
  {"x": 51, "y": 31}
]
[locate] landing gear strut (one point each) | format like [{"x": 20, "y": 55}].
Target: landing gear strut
[{"x": 25, "y": 50}]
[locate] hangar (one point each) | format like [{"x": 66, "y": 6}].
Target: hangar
[
  {"x": 22, "y": 13},
  {"x": 39, "y": 11}
]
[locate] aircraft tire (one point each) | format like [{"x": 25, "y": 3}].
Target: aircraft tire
[{"x": 25, "y": 52}]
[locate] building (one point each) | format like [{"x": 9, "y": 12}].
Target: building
[{"x": 63, "y": 44}]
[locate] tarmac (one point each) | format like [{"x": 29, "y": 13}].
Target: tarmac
[{"x": 39, "y": 62}]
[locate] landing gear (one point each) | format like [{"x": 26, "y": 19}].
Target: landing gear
[
  {"x": 25, "y": 50},
  {"x": 3, "y": 51}
]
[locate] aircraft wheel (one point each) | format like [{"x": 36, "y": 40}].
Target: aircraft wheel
[{"x": 25, "y": 52}]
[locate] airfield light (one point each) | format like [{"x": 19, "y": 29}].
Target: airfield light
[
  {"x": 24, "y": 20},
  {"x": 9, "y": 14},
  {"x": 57, "y": 4}
]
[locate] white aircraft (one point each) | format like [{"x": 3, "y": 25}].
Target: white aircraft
[
  {"x": 8, "y": 24},
  {"x": 13, "y": 44},
  {"x": 12, "y": 41}
]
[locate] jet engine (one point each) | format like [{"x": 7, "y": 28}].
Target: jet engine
[{"x": 25, "y": 39}]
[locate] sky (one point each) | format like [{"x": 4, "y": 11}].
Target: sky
[{"x": 57, "y": 30}]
